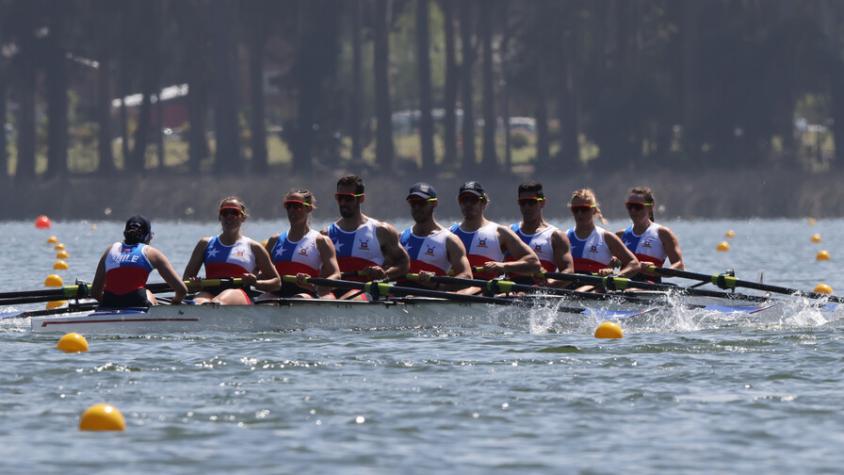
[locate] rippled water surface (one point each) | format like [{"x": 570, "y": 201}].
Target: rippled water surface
[{"x": 678, "y": 395}]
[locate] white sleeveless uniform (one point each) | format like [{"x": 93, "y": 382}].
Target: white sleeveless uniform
[
  {"x": 223, "y": 261},
  {"x": 358, "y": 249},
  {"x": 291, "y": 258},
  {"x": 647, "y": 246},
  {"x": 590, "y": 254},
  {"x": 541, "y": 245},
  {"x": 482, "y": 246},
  {"x": 428, "y": 253}
]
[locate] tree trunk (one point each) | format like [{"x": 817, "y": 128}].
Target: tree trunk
[
  {"x": 4, "y": 152},
  {"x": 468, "y": 163},
  {"x": 227, "y": 158},
  {"x": 384, "y": 151},
  {"x": 489, "y": 160},
  {"x": 104, "y": 151},
  {"x": 569, "y": 155},
  {"x": 258, "y": 37},
  {"x": 138, "y": 160},
  {"x": 423, "y": 54},
  {"x": 357, "y": 88},
  {"x": 308, "y": 90},
  {"x": 56, "y": 84},
  {"x": 690, "y": 74},
  {"x": 25, "y": 169},
  {"x": 543, "y": 146},
  {"x": 450, "y": 89}
]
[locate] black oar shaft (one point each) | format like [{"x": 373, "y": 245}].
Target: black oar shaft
[{"x": 383, "y": 289}]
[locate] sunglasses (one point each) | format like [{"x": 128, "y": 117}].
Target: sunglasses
[
  {"x": 347, "y": 196},
  {"x": 530, "y": 201},
  {"x": 230, "y": 212},
  {"x": 418, "y": 202},
  {"x": 581, "y": 208},
  {"x": 470, "y": 199},
  {"x": 635, "y": 206},
  {"x": 288, "y": 205}
]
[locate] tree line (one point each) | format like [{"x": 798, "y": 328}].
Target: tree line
[{"x": 599, "y": 84}]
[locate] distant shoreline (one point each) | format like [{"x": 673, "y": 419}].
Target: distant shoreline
[{"x": 710, "y": 194}]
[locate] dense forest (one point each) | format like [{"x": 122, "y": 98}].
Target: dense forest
[{"x": 447, "y": 87}]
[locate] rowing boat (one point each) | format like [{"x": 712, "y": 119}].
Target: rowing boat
[{"x": 299, "y": 314}]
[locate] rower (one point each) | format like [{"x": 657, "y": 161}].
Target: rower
[
  {"x": 232, "y": 255},
  {"x": 593, "y": 247},
  {"x": 549, "y": 243},
  {"x": 123, "y": 269},
  {"x": 367, "y": 249},
  {"x": 433, "y": 250},
  {"x": 487, "y": 243},
  {"x": 302, "y": 251},
  {"x": 651, "y": 243}
]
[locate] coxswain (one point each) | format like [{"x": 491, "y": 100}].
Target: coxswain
[
  {"x": 593, "y": 247},
  {"x": 367, "y": 249},
  {"x": 549, "y": 243},
  {"x": 121, "y": 277},
  {"x": 231, "y": 255},
  {"x": 302, "y": 251},
  {"x": 650, "y": 242},
  {"x": 432, "y": 248},
  {"x": 492, "y": 249}
]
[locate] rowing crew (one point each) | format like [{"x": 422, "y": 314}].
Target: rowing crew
[{"x": 358, "y": 247}]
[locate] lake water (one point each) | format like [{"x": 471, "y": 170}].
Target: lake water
[{"x": 676, "y": 396}]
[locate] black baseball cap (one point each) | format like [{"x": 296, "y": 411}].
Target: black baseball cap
[
  {"x": 474, "y": 188},
  {"x": 422, "y": 190},
  {"x": 141, "y": 225}
]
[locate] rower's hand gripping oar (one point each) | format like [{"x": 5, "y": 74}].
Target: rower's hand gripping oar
[
  {"x": 380, "y": 290},
  {"x": 727, "y": 281}
]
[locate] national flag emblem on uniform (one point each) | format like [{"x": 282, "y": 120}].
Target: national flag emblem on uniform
[{"x": 481, "y": 242}]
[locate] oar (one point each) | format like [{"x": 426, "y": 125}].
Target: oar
[
  {"x": 82, "y": 290},
  {"x": 383, "y": 289},
  {"x": 622, "y": 283},
  {"x": 727, "y": 281},
  {"x": 505, "y": 286}
]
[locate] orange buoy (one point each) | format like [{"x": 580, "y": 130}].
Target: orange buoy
[
  {"x": 822, "y": 256},
  {"x": 54, "y": 304},
  {"x": 730, "y": 234},
  {"x": 52, "y": 240},
  {"x": 816, "y": 238},
  {"x": 59, "y": 247},
  {"x": 60, "y": 265},
  {"x": 62, "y": 254},
  {"x": 53, "y": 280},
  {"x": 722, "y": 246},
  {"x": 43, "y": 222},
  {"x": 823, "y": 289}
]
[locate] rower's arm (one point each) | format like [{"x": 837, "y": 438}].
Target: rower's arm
[
  {"x": 160, "y": 262},
  {"x": 562, "y": 252},
  {"x": 672, "y": 248},
  {"x": 271, "y": 242},
  {"x": 629, "y": 264},
  {"x": 524, "y": 259},
  {"x": 196, "y": 258},
  {"x": 270, "y": 281},
  {"x": 99, "y": 279},
  {"x": 396, "y": 260},
  {"x": 330, "y": 268},
  {"x": 460, "y": 266}
]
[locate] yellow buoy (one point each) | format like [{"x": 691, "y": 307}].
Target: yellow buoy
[
  {"x": 101, "y": 417},
  {"x": 53, "y": 280},
  {"x": 53, "y": 304},
  {"x": 816, "y": 238},
  {"x": 60, "y": 265},
  {"x": 823, "y": 289},
  {"x": 822, "y": 256},
  {"x": 730, "y": 234},
  {"x": 62, "y": 255},
  {"x": 52, "y": 240},
  {"x": 811, "y": 221},
  {"x": 609, "y": 330},
  {"x": 72, "y": 343},
  {"x": 723, "y": 246},
  {"x": 59, "y": 247}
]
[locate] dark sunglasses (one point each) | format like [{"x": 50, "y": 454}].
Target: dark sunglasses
[
  {"x": 347, "y": 196},
  {"x": 530, "y": 201},
  {"x": 418, "y": 202},
  {"x": 230, "y": 212},
  {"x": 634, "y": 206},
  {"x": 294, "y": 205},
  {"x": 470, "y": 199},
  {"x": 581, "y": 209}
]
